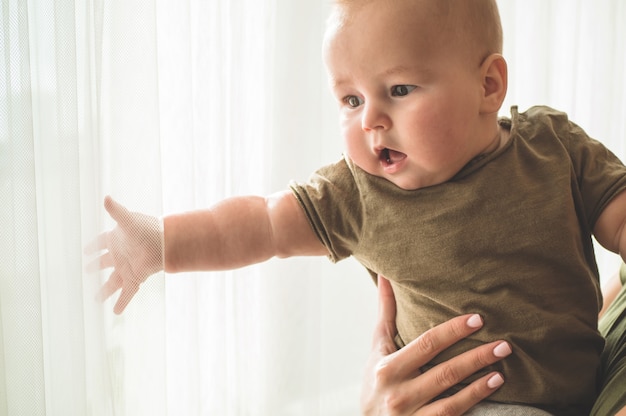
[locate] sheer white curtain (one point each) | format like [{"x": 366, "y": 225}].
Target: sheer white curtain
[{"x": 170, "y": 106}]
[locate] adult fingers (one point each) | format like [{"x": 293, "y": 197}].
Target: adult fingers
[
  {"x": 450, "y": 373},
  {"x": 465, "y": 399},
  {"x": 385, "y": 330},
  {"x": 386, "y": 301},
  {"x": 478, "y": 358},
  {"x": 416, "y": 393},
  {"x": 423, "y": 349}
]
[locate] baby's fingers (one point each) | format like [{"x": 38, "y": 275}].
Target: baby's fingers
[
  {"x": 112, "y": 285},
  {"x": 97, "y": 244},
  {"x": 103, "y": 262},
  {"x": 118, "y": 212},
  {"x": 125, "y": 297}
]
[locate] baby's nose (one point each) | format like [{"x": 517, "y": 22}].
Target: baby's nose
[{"x": 375, "y": 118}]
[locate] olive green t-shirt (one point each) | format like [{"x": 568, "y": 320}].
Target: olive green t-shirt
[{"x": 508, "y": 237}]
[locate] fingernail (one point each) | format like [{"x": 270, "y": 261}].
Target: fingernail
[
  {"x": 475, "y": 321},
  {"x": 502, "y": 350},
  {"x": 495, "y": 381}
]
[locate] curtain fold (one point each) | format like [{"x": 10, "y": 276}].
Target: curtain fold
[
  {"x": 171, "y": 106},
  {"x": 22, "y": 355}
]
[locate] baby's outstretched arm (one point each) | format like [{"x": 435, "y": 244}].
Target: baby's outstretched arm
[
  {"x": 234, "y": 233},
  {"x": 238, "y": 232}
]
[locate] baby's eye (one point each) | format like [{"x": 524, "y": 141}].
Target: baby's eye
[
  {"x": 401, "y": 90},
  {"x": 353, "y": 101}
]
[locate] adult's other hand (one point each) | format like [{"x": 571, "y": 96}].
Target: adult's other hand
[{"x": 394, "y": 384}]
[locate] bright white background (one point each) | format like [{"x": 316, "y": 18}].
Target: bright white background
[{"x": 170, "y": 106}]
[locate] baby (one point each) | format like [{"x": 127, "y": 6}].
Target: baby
[{"x": 463, "y": 212}]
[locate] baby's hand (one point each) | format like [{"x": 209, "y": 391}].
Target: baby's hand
[{"x": 134, "y": 248}]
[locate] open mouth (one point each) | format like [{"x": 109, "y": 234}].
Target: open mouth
[{"x": 389, "y": 157}]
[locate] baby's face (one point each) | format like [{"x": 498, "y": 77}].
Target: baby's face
[{"x": 409, "y": 102}]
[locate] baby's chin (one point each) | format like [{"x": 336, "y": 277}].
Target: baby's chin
[{"x": 416, "y": 182}]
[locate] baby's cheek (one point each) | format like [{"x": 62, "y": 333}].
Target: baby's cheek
[{"x": 360, "y": 155}]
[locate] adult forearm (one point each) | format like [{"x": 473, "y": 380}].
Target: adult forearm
[{"x": 232, "y": 234}]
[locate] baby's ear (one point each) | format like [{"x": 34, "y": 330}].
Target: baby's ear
[{"x": 495, "y": 81}]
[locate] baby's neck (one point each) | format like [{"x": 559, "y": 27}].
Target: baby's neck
[
  {"x": 505, "y": 135},
  {"x": 498, "y": 142}
]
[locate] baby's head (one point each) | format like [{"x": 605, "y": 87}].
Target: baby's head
[
  {"x": 472, "y": 27},
  {"x": 419, "y": 83}
]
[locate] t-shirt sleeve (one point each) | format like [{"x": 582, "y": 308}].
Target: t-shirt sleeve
[
  {"x": 331, "y": 202},
  {"x": 600, "y": 174}
]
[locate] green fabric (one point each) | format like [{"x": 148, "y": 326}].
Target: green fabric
[
  {"x": 509, "y": 237},
  {"x": 613, "y": 327}
]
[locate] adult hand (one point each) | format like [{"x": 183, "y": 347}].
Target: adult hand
[
  {"x": 134, "y": 248},
  {"x": 393, "y": 382}
]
